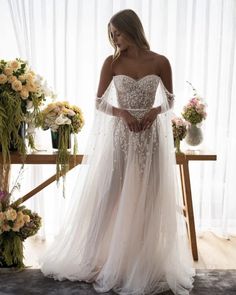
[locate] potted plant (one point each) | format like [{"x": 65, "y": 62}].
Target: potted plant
[
  {"x": 194, "y": 113},
  {"x": 17, "y": 223},
  {"x": 22, "y": 92},
  {"x": 63, "y": 120},
  {"x": 179, "y": 128}
]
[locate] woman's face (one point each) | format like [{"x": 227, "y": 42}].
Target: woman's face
[{"x": 120, "y": 40}]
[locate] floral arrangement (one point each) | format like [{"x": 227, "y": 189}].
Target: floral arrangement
[
  {"x": 63, "y": 119},
  {"x": 22, "y": 92},
  {"x": 62, "y": 113},
  {"x": 16, "y": 224},
  {"x": 21, "y": 221},
  {"x": 195, "y": 110},
  {"x": 179, "y": 128}
]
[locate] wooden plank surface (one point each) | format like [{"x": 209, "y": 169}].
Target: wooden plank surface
[
  {"x": 50, "y": 158},
  {"x": 41, "y": 158}
]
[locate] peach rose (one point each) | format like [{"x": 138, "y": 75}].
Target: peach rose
[
  {"x": 26, "y": 218},
  {"x": 5, "y": 227},
  {"x": 8, "y": 71},
  {"x": 24, "y": 93},
  {"x": 31, "y": 86},
  {"x": 16, "y": 85},
  {"x": 3, "y": 79},
  {"x": 11, "y": 79},
  {"x": 14, "y": 64}
]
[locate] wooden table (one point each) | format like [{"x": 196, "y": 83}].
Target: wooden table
[
  {"x": 39, "y": 158},
  {"x": 181, "y": 159},
  {"x": 183, "y": 162}
]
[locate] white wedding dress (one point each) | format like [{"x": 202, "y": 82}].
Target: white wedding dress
[{"x": 125, "y": 229}]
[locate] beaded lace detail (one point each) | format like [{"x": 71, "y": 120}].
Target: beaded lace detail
[{"x": 137, "y": 96}]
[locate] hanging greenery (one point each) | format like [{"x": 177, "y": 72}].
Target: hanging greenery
[
  {"x": 22, "y": 92},
  {"x": 63, "y": 119}
]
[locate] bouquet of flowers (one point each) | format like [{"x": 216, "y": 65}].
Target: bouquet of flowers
[
  {"x": 16, "y": 224},
  {"x": 22, "y": 92},
  {"x": 179, "y": 127},
  {"x": 195, "y": 110},
  {"x": 60, "y": 114},
  {"x": 63, "y": 119}
]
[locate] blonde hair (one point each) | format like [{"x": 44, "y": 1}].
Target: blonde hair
[{"x": 128, "y": 22}]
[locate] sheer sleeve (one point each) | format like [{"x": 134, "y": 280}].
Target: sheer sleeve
[
  {"x": 168, "y": 103},
  {"x": 103, "y": 106},
  {"x": 105, "y": 103}
]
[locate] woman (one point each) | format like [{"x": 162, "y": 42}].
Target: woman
[{"x": 125, "y": 230}]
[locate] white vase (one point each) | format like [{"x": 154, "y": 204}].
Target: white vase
[{"x": 194, "y": 135}]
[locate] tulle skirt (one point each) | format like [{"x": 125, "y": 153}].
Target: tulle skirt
[{"x": 125, "y": 229}]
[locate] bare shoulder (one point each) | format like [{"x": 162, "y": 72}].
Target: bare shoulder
[
  {"x": 105, "y": 75},
  {"x": 163, "y": 69},
  {"x": 107, "y": 64},
  {"x": 160, "y": 60}
]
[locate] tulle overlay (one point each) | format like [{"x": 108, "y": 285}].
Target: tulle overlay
[{"x": 125, "y": 228}]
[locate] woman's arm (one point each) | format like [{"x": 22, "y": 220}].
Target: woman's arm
[
  {"x": 166, "y": 77},
  {"x": 105, "y": 80}
]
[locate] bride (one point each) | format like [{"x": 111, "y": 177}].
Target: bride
[{"x": 125, "y": 229}]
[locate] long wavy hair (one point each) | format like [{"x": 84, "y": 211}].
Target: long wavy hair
[{"x": 128, "y": 23}]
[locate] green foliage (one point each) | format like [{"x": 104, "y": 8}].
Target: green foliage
[
  {"x": 11, "y": 118},
  {"x": 192, "y": 116},
  {"x": 22, "y": 92},
  {"x": 11, "y": 250},
  {"x": 32, "y": 227}
]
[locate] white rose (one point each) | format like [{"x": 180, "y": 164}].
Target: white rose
[
  {"x": 47, "y": 90},
  {"x": 11, "y": 214},
  {"x": 39, "y": 78},
  {"x": 71, "y": 113},
  {"x": 3, "y": 79},
  {"x": 16, "y": 85},
  {"x": 62, "y": 120},
  {"x": 29, "y": 104}
]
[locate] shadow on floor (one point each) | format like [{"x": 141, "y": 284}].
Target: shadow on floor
[{"x": 32, "y": 281}]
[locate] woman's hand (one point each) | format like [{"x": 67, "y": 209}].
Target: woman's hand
[
  {"x": 149, "y": 118},
  {"x": 132, "y": 123}
]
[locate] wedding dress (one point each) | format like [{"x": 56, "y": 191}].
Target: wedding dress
[{"x": 125, "y": 229}]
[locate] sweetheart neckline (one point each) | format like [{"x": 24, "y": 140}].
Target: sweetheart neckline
[{"x": 137, "y": 80}]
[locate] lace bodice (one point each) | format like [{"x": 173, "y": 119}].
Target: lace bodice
[{"x": 136, "y": 94}]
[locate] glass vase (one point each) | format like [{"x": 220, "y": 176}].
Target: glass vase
[
  {"x": 194, "y": 135},
  {"x": 55, "y": 140},
  {"x": 177, "y": 145}
]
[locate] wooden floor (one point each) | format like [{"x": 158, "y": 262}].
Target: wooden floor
[{"x": 214, "y": 252}]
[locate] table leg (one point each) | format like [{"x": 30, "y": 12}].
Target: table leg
[
  {"x": 39, "y": 188},
  {"x": 187, "y": 200}
]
